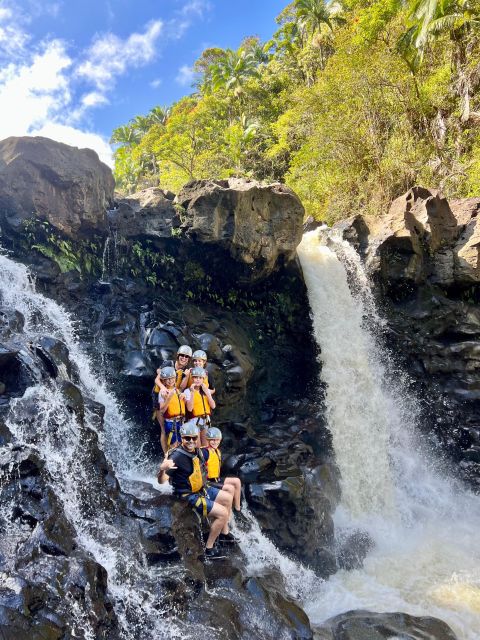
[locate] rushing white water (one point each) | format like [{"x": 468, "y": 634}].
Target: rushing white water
[
  {"x": 58, "y": 438},
  {"x": 426, "y": 558}
]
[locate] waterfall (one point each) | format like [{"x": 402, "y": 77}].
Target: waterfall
[
  {"x": 40, "y": 420},
  {"x": 424, "y": 525}
]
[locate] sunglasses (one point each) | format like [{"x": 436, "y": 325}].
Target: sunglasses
[
  {"x": 189, "y": 438},
  {"x": 183, "y": 356}
]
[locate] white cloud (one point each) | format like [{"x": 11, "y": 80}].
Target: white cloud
[
  {"x": 156, "y": 83},
  {"x": 196, "y": 7},
  {"x": 30, "y": 94},
  {"x": 110, "y": 56},
  {"x": 185, "y": 75},
  {"x": 33, "y": 97},
  {"x": 12, "y": 36}
]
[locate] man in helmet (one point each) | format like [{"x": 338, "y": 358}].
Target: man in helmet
[
  {"x": 172, "y": 408},
  {"x": 185, "y": 468},
  {"x": 199, "y": 359},
  {"x": 214, "y": 467},
  {"x": 199, "y": 401}
]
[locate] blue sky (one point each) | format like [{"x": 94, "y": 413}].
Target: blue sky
[{"x": 73, "y": 71}]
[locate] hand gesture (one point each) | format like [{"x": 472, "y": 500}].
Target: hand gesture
[
  {"x": 204, "y": 387},
  {"x": 167, "y": 464}
]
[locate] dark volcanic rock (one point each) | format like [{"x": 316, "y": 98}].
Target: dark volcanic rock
[
  {"x": 366, "y": 625},
  {"x": 257, "y": 224},
  {"x": 147, "y": 213},
  {"x": 423, "y": 258},
  {"x": 68, "y": 187}
]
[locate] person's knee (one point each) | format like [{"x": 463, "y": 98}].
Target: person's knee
[
  {"x": 225, "y": 497},
  {"x": 228, "y": 488},
  {"x": 219, "y": 512}
]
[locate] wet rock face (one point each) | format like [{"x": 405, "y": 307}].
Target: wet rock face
[
  {"x": 43, "y": 569},
  {"x": 423, "y": 258},
  {"x": 68, "y": 187},
  {"x": 360, "y": 625},
  {"x": 257, "y": 224},
  {"x": 51, "y": 584}
]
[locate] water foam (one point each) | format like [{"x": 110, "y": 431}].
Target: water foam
[{"x": 426, "y": 558}]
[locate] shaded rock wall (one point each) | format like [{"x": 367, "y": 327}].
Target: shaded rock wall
[{"x": 423, "y": 257}]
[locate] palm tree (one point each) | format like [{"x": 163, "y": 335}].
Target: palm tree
[
  {"x": 233, "y": 70},
  {"x": 158, "y": 115},
  {"x": 430, "y": 18},
  {"x": 141, "y": 124},
  {"x": 314, "y": 15},
  {"x": 125, "y": 136}
]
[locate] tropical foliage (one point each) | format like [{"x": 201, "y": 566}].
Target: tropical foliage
[{"x": 350, "y": 103}]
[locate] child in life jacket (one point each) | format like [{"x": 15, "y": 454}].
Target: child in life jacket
[
  {"x": 172, "y": 409},
  {"x": 214, "y": 465},
  {"x": 199, "y": 359},
  {"x": 199, "y": 402}
]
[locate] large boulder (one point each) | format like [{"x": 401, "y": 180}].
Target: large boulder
[
  {"x": 257, "y": 224},
  {"x": 149, "y": 212},
  {"x": 360, "y": 625},
  {"x": 422, "y": 237},
  {"x": 68, "y": 187}
]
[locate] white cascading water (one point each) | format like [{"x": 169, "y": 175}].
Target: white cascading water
[
  {"x": 132, "y": 585},
  {"x": 424, "y": 525}
]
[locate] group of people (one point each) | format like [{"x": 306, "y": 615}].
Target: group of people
[{"x": 183, "y": 398}]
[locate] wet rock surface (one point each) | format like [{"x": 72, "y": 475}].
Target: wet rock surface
[
  {"x": 52, "y": 586},
  {"x": 423, "y": 258},
  {"x": 363, "y": 625}
]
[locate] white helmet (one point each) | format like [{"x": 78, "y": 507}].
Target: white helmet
[
  {"x": 184, "y": 350},
  {"x": 199, "y": 354}
]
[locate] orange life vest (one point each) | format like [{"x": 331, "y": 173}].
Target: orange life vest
[{"x": 176, "y": 406}]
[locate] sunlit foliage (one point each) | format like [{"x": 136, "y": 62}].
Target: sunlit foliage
[{"x": 350, "y": 103}]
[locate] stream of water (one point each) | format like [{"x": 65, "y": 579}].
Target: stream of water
[{"x": 424, "y": 525}]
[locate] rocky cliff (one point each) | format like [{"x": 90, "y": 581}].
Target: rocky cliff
[{"x": 423, "y": 255}]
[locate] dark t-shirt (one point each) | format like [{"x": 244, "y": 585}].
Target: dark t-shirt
[{"x": 179, "y": 476}]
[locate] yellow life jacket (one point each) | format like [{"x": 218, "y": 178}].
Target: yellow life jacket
[
  {"x": 214, "y": 463},
  {"x": 179, "y": 377},
  {"x": 190, "y": 381},
  {"x": 196, "y": 478},
  {"x": 176, "y": 406},
  {"x": 201, "y": 406}
]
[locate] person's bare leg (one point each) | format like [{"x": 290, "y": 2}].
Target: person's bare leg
[
  {"x": 163, "y": 438},
  {"x": 225, "y": 499},
  {"x": 203, "y": 438},
  {"x": 231, "y": 490},
  {"x": 237, "y": 486},
  {"x": 219, "y": 515}
]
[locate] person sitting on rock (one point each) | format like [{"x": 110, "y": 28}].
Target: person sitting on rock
[
  {"x": 199, "y": 359},
  {"x": 199, "y": 402},
  {"x": 172, "y": 408},
  {"x": 214, "y": 466},
  {"x": 185, "y": 468}
]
